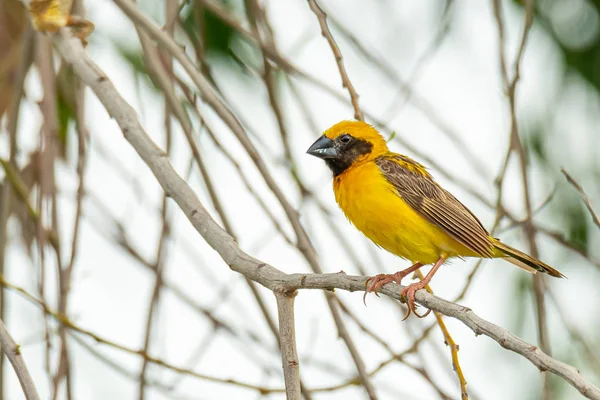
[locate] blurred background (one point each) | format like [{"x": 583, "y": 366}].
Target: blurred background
[{"x": 86, "y": 229}]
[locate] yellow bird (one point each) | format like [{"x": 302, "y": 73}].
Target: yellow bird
[
  {"x": 51, "y": 15},
  {"x": 395, "y": 202}
]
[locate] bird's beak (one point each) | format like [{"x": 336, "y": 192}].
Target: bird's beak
[{"x": 323, "y": 148}]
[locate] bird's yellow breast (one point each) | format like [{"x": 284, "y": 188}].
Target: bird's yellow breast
[{"x": 371, "y": 203}]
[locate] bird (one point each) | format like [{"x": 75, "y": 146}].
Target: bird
[
  {"x": 396, "y": 203},
  {"x": 51, "y": 15}
]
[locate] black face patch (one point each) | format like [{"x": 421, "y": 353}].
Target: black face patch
[{"x": 349, "y": 150}]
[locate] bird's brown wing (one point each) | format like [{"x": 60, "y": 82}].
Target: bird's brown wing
[{"x": 416, "y": 187}]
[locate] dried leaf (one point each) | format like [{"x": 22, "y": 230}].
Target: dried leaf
[{"x": 13, "y": 25}]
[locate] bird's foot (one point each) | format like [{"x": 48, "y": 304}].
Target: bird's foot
[
  {"x": 375, "y": 283},
  {"x": 409, "y": 294}
]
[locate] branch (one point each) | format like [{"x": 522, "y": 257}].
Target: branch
[
  {"x": 13, "y": 353},
  {"x": 322, "y": 17},
  {"x": 449, "y": 341},
  {"x": 268, "y": 276},
  {"x": 149, "y": 151},
  {"x": 20, "y": 189},
  {"x": 516, "y": 146},
  {"x": 294, "y": 70},
  {"x": 584, "y": 196},
  {"x": 287, "y": 341}
]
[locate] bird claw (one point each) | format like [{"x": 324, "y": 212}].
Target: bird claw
[
  {"x": 408, "y": 294},
  {"x": 374, "y": 283},
  {"x": 366, "y": 291}
]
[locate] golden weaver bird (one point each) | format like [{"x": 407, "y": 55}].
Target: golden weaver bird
[{"x": 395, "y": 202}]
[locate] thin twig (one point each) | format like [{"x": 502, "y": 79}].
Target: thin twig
[
  {"x": 212, "y": 97},
  {"x": 240, "y": 171},
  {"x": 588, "y": 350},
  {"x": 516, "y": 146},
  {"x": 165, "y": 78},
  {"x": 464, "y": 395},
  {"x": 118, "y": 367},
  {"x": 64, "y": 320},
  {"x": 405, "y": 86},
  {"x": 13, "y": 353},
  {"x": 256, "y": 14},
  {"x": 20, "y": 189},
  {"x": 294, "y": 70},
  {"x": 180, "y": 113},
  {"x": 584, "y": 196},
  {"x": 322, "y": 17}
]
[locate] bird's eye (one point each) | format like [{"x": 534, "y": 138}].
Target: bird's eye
[{"x": 345, "y": 138}]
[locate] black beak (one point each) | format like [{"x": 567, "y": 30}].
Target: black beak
[{"x": 323, "y": 148}]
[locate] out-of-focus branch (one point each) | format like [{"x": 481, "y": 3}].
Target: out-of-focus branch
[
  {"x": 294, "y": 70},
  {"x": 449, "y": 340},
  {"x": 64, "y": 320},
  {"x": 270, "y": 277},
  {"x": 116, "y": 366},
  {"x": 322, "y": 17},
  {"x": 257, "y": 17},
  {"x": 212, "y": 98},
  {"x": 236, "y": 165},
  {"x": 20, "y": 189},
  {"x": 584, "y": 196},
  {"x": 181, "y": 115},
  {"x": 273, "y": 279},
  {"x": 287, "y": 342},
  {"x": 390, "y": 72},
  {"x": 13, "y": 353},
  {"x": 510, "y": 85},
  {"x": 164, "y": 76}
]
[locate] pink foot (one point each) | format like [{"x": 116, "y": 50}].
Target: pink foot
[{"x": 409, "y": 293}]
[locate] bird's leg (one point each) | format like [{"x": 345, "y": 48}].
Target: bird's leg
[
  {"x": 409, "y": 291},
  {"x": 375, "y": 283}
]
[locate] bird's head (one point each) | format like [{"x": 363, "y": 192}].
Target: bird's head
[{"x": 348, "y": 143}]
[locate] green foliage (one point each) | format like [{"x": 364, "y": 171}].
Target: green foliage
[
  {"x": 208, "y": 30},
  {"x": 578, "y": 35},
  {"x": 66, "y": 106},
  {"x": 65, "y": 115},
  {"x": 134, "y": 58},
  {"x": 534, "y": 143},
  {"x": 576, "y": 223}
]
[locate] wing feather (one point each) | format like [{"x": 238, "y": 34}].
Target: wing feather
[{"x": 418, "y": 189}]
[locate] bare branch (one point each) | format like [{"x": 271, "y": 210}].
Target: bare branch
[
  {"x": 515, "y": 145},
  {"x": 322, "y": 17},
  {"x": 584, "y": 196},
  {"x": 13, "y": 353},
  {"x": 287, "y": 342},
  {"x": 449, "y": 341},
  {"x": 210, "y": 96}
]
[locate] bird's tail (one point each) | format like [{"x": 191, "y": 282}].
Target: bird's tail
[{"x": 524, "y": 261}]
